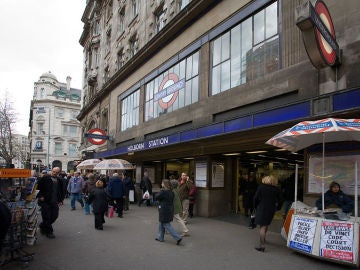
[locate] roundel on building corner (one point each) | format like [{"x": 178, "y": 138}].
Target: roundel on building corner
[
  {"x": 326, "y": 50},
  {"x": 169, "y": 90},
  {"x": 97, "y": 136},
  {"x": 318, "y": 34}
]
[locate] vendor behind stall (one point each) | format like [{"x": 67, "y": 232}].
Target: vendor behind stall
[{"x": 335, "y": 198}]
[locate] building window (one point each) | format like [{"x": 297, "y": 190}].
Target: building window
[
  {"x": 108, "y": 40},
  {"x": 176, "y": 88},
  {"x": 134, "y": 7},
  {"x": 183, "y": 3},
  {"x": 120, "y": 59},
  {"x": 248, "y": 51},
  {"x": 70, "y": 130},
  {"x": 96, "y": 27},
  {"x": 130, "y": 110},
  {"x": 122, "y": 20},
  {"x": 39, "y": 128},
  {"x": 133, "y": 46},
  {"x": 109, "y": 11},
  {"x": 42, "y": 93},
  {"x": 60, "y": 113},
  {"x": 72, "y": 150},
  {"x": 74, "y": 114},
  {"x": 160, "y": 15},
  {"x": 58, "y": 149},
  {"x": 96, "y": 58}
]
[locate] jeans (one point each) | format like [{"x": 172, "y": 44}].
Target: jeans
[
  {"x": 87, "y": 208},
  {"x": 170, "y": 229},
  {"x": 77, "y": 197}
]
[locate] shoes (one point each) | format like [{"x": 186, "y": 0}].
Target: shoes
[
  {"x": 261, "y": 249},
  {"x": 251, "y": 227},
  {"x": 99, "y": 228},
  {"x": 72, "y": 209},
  {"x": 157, "y": 239},
  {"x": 178, "y": 241},
  {"x": 120, "y": 216},
  {"x": 50, "y": 235},
  {"x": 185, "y": 234}
]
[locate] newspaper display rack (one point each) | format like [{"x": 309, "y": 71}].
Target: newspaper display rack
[{"x": 17, "y": 190}]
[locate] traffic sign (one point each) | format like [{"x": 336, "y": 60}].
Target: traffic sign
[{"x": 96, "y": 136}]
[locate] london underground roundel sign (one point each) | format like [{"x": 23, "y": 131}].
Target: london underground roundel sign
[
  {"x": 97, "y": 136},
  {"x": 326, "y": 50},
  {"x": 168, "y": 100}
]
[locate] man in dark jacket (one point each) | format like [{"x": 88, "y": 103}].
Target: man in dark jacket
[
  {"x": 116, "y": 190},
  {"x": 5, "y": 221},
  {"x": 129, "y": 185},
  {"x": 51, "y": 195},
  {"x": 145, "y": 185}
]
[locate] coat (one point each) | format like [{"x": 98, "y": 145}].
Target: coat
[
  {"x": 267, "y": 200},
  {"x": 116, "y": 188},
  {"x": 45, "y": 187},
  {"x": 99, "y": 200},
  {"x": 146, "y": 185},
  {"x": 177, "y": 202},
  {"x": 339, "y": 198},
  {"x": 166, "y": 205}
]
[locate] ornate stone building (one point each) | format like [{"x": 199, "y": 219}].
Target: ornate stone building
[
  {"x": 200, "y": 86},
  {"x": 54, "y": 130}
]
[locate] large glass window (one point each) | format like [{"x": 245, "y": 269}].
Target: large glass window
[
  {"x": 248, "y": 51},
  {"x": 130, "y": 110},
  {"x": 175, "y": 88}
]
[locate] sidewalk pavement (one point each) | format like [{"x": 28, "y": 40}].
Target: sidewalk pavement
[{"x": 223, "y": 243}]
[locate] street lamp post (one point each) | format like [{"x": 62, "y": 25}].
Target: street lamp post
[{"x": 48, "y": 146}]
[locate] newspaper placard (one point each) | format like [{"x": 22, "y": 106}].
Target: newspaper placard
[
  {"x": 337, "y": 240},
  {"x": 303, "y": 234}
]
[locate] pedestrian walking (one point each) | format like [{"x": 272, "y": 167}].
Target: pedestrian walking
[
  {"x": 178, "y": 208},
  {"x": 184, "y": 189},
  {"x": 51, "y": 195},
  {"x": 145, "y": 186},
  {"x": 99, "y": 199},
  {"x": 116, "y": 190},
  {"x": 267, "y": 201},
  {"x": 166, "y": 212},
  {"x": 75, "y": 186},
  {"x": 89, "y": 186}
]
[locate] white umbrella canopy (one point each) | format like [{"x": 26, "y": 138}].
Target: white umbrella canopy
[
  {"x": 88, "y": 164},
  {"x": 114, "y": 164},
  {"x": 308, "y": 133}
]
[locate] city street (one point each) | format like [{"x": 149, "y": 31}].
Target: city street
[{"x": 129, "y": 243}]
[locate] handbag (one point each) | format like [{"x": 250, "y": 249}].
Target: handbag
[
  {"x": 111, "y": 212},
  {"x": 131, "y": 196},
  {"x": 146, "y": 195}
]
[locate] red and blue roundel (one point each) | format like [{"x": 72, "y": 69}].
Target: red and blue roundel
[
  {"x": 326, "y": 50},
  {"x": 169, "y": 90}
]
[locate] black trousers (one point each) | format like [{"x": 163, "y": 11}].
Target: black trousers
[
  {"x": 99, "y": 219},
  {"x": 119, "y": 206},
  {"x": 49, "y": 213}
]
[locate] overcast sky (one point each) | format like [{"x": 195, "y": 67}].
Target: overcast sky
[{"x": 38, "y": 36}]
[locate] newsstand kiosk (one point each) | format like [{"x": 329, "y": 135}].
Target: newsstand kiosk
[{"x": 17, "y": 191}]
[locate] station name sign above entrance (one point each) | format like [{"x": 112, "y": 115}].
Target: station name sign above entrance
[
  {"x": 97, "y": 136},
  {"x": 163, "y": 141},
  {"x": 318, "y": 33}
]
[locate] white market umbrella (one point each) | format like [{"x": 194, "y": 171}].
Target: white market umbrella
[
  {"x": 88, "y": 164},
  {"x": 308, "y": 133},
  {"x": 114, "y": 164}
]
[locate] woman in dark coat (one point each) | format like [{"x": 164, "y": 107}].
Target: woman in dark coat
[
  {"x": 267, "y": 201},
  {"x": 99, "y": 199},
  {"x": 166, "y": 212}
]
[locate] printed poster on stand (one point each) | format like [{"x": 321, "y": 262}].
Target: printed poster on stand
[
  {"x": 303, "y": 234},
  {"x": 337, "y": 240}
]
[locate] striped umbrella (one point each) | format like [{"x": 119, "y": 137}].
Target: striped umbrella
[{"x": 307, "y": 133}]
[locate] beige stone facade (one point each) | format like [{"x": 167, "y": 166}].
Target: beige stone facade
[{"x": 131, "y": 53}]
